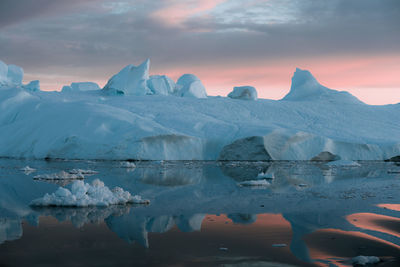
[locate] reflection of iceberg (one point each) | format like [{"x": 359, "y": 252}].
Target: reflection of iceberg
[
  {"x": 81, "y": 216},
  {"x": 135, "y": 228},
  {"x": 170, "y": 175},
  {"x": 10, "y": 229},
  {"x": 189, "y": 223},
  {"x": 242, "y": 218}
]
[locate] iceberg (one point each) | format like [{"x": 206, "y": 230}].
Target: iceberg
[
  {"x": 131, "y": 80},
  {"x": 311, "y": 122},
  {"x": 188, "y": 85},
  {"x": 85, "y": 195},
  {"x": 244, "y": 93}
]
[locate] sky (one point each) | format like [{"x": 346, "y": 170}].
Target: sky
[{"x": 351, "y": 45}]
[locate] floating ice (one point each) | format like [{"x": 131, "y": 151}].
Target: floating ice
[
  {"x": 28, "y": 169},
  {"x": 128, "y": 165},
  {"x": 244, "y": 93},
  {"x": 62, "y": 175},
  {"x": 255, "y": 183},
  {"x": 84, "y": 195},
  {"x": 344, "y": 163},
  {"x": 264, "y": 175},
  {"x": 84, "y": 172}
]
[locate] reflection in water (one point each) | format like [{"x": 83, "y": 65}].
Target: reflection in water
[{"x": 312, "y": 208}]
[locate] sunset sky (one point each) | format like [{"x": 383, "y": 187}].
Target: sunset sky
[{"x": 351, "y": 45}]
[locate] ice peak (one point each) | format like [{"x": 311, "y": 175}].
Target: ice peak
[
  {"x": 306, "y": 88},
  {"x": 131, "y": 80}
]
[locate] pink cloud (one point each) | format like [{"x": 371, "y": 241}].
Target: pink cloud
[{"x": 175, "y": 12}]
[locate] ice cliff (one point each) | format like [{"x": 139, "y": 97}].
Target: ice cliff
[{"x": 137, "y": 116}]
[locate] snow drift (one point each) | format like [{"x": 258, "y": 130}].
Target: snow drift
[{"x": 137, "y": 116}]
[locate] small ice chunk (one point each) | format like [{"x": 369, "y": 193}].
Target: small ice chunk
[
  {"x": 59, "y": 176},
  {"x": 28, "y": 169},
  {"x": 83, "y": 195},
  {"x": 244, "y": 93},
  {"x": 128, "y": 164},
  {"x": 264, "y": 175},
  {"x": 261, "y": 183},
  {"x": 80, "y": 171},
  {"x": 364, "y": 260},
  {"x": 344, "y": 163}
]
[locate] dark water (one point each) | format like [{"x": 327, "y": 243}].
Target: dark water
[{"x": 310, "y": 214}]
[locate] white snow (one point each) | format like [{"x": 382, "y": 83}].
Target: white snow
[
  {"x": 244, "y": 93},
  {"x": 84, "y": 195},
  {"x": 161, "y": 85},
  {"x": 189, "y": 85},
  {"x": 131, "y": 80},
  {"x": 344, "y": 163},
  {"x": 310, "y": 122},
  {"x": 80, "y": 87},
  {"x": 62, "y": 175},
  {"x": 364, "y": 260}
]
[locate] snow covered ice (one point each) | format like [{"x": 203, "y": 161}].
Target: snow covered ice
[
  {"x": 83, "y": 195},
  {"x": 141, "y": 117}
]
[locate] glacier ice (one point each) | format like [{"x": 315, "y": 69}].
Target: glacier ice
[
  {"x": 244, "y": 93},
  {"x": 189, "y": 85},
  {"x": 131, "y": 80}
]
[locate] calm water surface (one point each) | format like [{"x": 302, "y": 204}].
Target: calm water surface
[{"x": 310, "y": 214}]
